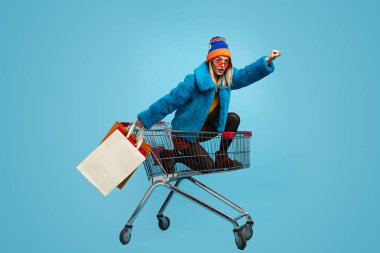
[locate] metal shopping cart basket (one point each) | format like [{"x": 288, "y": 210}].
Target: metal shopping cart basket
[{"x": 178, "y": 155}]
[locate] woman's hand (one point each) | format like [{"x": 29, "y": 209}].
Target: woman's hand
[
  {"x": 139, "y": 123},
  {"x": 273, "y": 55}
]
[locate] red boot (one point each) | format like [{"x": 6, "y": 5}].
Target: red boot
[{"x": 223, "y": 161}]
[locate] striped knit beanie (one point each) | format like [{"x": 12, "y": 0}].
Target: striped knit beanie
[{"x": 218, "y": 47}]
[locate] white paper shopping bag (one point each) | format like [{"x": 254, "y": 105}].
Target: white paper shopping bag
[{"x": 112, "y": 161}]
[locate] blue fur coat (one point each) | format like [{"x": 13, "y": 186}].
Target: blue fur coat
[{"x": 193, "y": 97}]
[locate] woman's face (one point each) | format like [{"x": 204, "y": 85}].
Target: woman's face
[{"x": 220, "y": 64}]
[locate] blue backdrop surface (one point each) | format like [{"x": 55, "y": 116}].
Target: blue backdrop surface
[{"x": 69, "y": 69}]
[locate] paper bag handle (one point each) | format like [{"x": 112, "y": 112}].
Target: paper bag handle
[{"x": 140, "y": 135}]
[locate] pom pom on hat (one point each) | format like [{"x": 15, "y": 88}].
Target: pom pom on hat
[{"x": 218, "y": 47}]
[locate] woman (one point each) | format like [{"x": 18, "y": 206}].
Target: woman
[{"x": 208, "y": 87}]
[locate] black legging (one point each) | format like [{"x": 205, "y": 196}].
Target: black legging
[{"x": 196, "y": 157}]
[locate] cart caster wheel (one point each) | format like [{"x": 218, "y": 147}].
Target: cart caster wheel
[
  {"x": 248, "y": 231},
  {"x": 163, "y": 222},
  {"x": 125, "y": 235},
  {"x": 240, "y": 240}
]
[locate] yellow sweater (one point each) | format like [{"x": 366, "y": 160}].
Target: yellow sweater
[{"x": 215, "y": 107}]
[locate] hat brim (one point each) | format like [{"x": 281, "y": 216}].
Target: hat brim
[{"x": 218, "y": 52}]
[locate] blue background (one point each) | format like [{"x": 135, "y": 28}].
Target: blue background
[{"x": 69, "y": 69}]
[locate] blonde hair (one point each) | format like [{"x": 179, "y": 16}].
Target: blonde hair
[{"x": 225, "y": 79}]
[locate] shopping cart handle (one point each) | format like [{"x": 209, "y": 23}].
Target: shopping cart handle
[
  {"x": 228, "y": 134},
  {"x": 232, "y": 134},
  {"x": 248, "y": 133}
]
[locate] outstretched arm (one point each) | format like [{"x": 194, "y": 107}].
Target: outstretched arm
[
  {"x": 167, "y": 104},
  {"x": 255, "y": 71}
]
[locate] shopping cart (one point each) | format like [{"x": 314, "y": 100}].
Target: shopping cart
[{"x": 179, "y": 155}]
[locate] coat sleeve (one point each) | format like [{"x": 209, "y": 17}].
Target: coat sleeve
[
  {"x": 251, "y": 73},
  {"x": 168, "y": 103}
]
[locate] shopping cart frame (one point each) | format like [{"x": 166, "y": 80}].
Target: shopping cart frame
[{"x": 242, "y": 233}]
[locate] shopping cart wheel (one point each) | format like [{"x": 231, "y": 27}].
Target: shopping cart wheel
[
  {"x": 125, "y": 234},
  {"x": 163, "y": 222},
  {"x": 240, "y": 239},
  {"x": 248, "y": 230}
]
